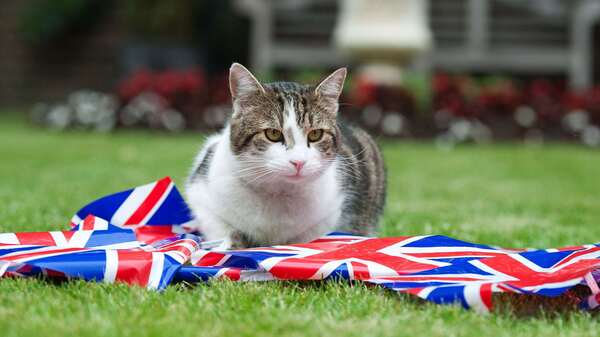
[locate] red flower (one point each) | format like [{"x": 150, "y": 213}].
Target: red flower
[
  {"x": 135, "y": 84},
  {"x": 364, "y": 92}
]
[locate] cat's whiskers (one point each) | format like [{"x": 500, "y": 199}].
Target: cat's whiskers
[
  {"x": 265, "y": 174},
  {"x": 356, "y": 174},
  {"x": 242, "y": 174}
]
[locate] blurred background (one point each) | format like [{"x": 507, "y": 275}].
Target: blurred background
[{"x": 450, "y": 70}]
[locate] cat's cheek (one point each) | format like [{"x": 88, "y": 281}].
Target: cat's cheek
[
  {"x": 275, "y": 155},
  {"x": 260, "y": 144},
  {"x": 275, "y": 150},
  {"x": 326, "y": 148},
  {"x": 315, "y": 163}
]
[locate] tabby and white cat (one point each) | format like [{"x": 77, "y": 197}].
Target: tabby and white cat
[{"x": 285, "y": 169}]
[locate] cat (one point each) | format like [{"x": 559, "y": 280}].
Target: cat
[{"x": 285, "y": 169}]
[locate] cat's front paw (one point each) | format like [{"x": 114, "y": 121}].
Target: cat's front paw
[
  {"x": 240, "y": 240},
  {"x": 229, "y": 243}
]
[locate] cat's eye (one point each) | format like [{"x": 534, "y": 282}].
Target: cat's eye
[
  {"x": 315, "y": 135},
  {"x": 273, "y": 135}
]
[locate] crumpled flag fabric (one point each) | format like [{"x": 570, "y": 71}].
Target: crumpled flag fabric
[
  {"x": 144, "y": 242},
  {"x": 140, "y": 237}
]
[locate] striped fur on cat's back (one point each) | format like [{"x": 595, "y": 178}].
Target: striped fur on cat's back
[{"x": 285, "y": 169}]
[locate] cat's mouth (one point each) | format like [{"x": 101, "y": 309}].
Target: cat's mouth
[
  {"x": 295, "y": 177},
  {"x": 300, "y": 176}
]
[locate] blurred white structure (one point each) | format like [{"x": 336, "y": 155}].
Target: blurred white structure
[
  {"x": 514, "y": 36},
  {"x": 384, "y": 36}
]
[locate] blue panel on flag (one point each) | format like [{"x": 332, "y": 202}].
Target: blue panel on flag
[
  {"x": 455, "y": 260},
  {"x": 170, "y": 268},
  {"x": 545, "y": 259},
  {"x": 341, "y": 272},
  {"x": 173, "y": 211},
  {"x": 411, "y": 285},
  {"x": 9, "y": 249},
  {"x": 192, "y": 274},
  {"x": 552, "y": 292},
  {"x": 449, "y": 295},
  {"x": 104, "y": 207},
  {"x": 245, "y": 261},
  {"x": 454, "y": 269},
  {"x": 443, "y": 241},
  {"x": 88, "y": 265}
]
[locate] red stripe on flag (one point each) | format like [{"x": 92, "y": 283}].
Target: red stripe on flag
[
  {"x": 54, "y": 273},
  {"x": 149, "y": 234},
  {"x": 433, "y": 255},
  {"x": 426, "y": 278},
  {"x": 210, "y": 259},
  {"x": 88, "y": 223},
  {"x": 36, "y": 238},
  {"x": 181, "y": 246},
  {"x": 360, "y": 270},
  {"x": 149, "y": 203},
  {"x": 413, "y": 291},
  {"x": 368, "y": 250},
  {"x": 41, "y": 254},
  {"x": 134, "y": 267},
  {"x": 68, "y": 235},
  {"x": 485, "y": 292},
  {"x": 233, "y": 274}
]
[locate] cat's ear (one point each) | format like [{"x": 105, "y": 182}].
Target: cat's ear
[
  {"x": 242, "y": 82},
  {"x": 332, "y": 86}
]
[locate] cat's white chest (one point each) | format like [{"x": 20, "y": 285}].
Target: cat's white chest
[{"x": 222, "y": 204}]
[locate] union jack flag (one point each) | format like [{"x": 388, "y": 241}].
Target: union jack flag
[
  {"x": 135, "y": 236},
  {"x": 157, "y": 203},
  {"x": 436, "y": 268},
  {"x": 138, "y": 237}
]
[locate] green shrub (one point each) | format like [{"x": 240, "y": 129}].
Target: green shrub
[{"x": 46, "y": 21}]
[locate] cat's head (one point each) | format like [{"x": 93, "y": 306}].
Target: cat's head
[{"x": 284, "y": 131}]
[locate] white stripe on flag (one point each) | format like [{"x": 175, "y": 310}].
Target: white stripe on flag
[
  {"x": 75, "y": 220},
  {"x": 255, "y": 275},
  {"x": 100, "y": 224},
  {"x": 182, "y": 257},
  {"x": 158, "y": 261},
  {"x": 59, "y": 239},
  {"x": 473, "y": 298},
  {"x": 350, "y": 268},
  {"x": 424, "y": 293},
  {"x": 111, "y": 266},
  {"x": 51, "y": 251},
  {"x": 327, "y": 268},
  {"x": 591, "y": 283},
  {"x": 3, "y": 267},
  {"x": 158, "y": 204},
  {"x": 176, "y": 255},
  {"x": 9, "y": 239},
  {"x": 377, "y": 270},
  {"x": 131, "y": 204},
  {"x": 80, "y": 238},
  {"x": 221, "y": 272},
  {"x": 269, "y": 263}
]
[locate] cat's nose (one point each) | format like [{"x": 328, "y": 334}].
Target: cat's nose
[{"x": 298, "y": 164}]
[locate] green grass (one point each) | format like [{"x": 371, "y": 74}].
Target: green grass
[{"x": 505, "y": 195}]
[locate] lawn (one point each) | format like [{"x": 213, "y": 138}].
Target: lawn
[{"x": 506, "y": 195}]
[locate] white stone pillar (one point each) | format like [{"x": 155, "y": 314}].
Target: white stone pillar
[{"x": 383, "y": 36}]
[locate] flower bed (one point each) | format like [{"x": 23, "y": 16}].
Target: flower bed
[{"x": 459, "y": 108}]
